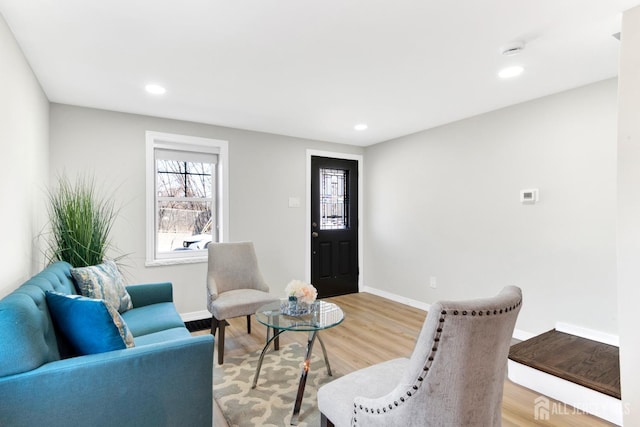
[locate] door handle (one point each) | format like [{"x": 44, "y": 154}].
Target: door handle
[{"x": 314, "y": 235}]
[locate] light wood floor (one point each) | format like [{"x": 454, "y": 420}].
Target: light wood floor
[{"x": 376, "y": 329}]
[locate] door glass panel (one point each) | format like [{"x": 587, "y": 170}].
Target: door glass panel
[{"x": 334, "y": 199}]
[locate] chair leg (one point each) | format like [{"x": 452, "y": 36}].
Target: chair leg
[
  {"x": 325, "y": 422},
  {"x": 249, "y": 324},
  {"x": 221, "y": 325},
  {"x": 214, "y": 325}
]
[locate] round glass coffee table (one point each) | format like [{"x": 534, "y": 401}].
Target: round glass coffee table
[{"x": 323, "y": 315}]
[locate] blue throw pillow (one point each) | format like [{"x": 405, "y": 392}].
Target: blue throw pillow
[{"x": 90, "y": 325}]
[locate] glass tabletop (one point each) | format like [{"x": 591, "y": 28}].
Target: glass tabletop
[{"x": 324, "y": 315}]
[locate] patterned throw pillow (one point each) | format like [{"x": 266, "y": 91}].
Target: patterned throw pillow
[
  {"x": 90, "y": 325},
  {"x": 103, "y": 281}
]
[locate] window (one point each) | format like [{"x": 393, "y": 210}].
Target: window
[
  {"x": 186, "y": 197},
  {"x": 334, "y": 199}
]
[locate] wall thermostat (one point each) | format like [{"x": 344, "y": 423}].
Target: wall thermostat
[{"x": 529, "y": 197}]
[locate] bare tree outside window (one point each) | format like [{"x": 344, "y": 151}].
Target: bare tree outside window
[{"x": 184, "y": 204}]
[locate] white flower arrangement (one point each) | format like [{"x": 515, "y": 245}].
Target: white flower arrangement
[{"x": 303, "y": 292}]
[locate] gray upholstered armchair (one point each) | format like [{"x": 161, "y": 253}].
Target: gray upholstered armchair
[
  {"x": 235, "y": 286},
  {"x": 454, "y": 377}
]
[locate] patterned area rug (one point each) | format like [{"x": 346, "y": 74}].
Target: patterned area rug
[{"x": 271, "y": 402}]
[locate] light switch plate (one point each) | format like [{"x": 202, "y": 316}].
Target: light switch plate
[{"x": 294, "y": 202}]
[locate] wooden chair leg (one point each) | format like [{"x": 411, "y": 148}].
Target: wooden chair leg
[
  {"x": 221, "y": 325},
  {"x": 214, "y": 325},
  {"x": 249, "y": 324},
  {"x": 325, "y": 422}
]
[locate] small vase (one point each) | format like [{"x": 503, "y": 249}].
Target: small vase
[{"x": 293, "y": 304}]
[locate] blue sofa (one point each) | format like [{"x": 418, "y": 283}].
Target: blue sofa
[{"x": 165, "y": 380}]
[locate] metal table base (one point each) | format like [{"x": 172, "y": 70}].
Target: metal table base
[{"x": 303, "y": 374}]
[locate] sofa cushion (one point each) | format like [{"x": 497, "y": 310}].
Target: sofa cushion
[
  {"x": 152, "y": 318},
  {"x": 91, "y": 325},
  {"x": 162, "y": 336},
  {"x": 103, "y": 281}
]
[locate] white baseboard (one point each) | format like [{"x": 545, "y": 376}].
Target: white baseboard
[
  {"x": 521, "y": 335},
  {"x": 589, "y": 334},
  {"x": 397, "y": 298},
  {"x": 574, "y": 395},
  {"x": 517, "y": 334},
  {"x": 195, "y": 315}
]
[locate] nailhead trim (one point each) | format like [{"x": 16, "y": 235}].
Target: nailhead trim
[{"x": 425, "y": 369}]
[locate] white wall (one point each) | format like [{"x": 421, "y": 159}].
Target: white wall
[
  {"x": 265, "y": 170},
  {"x": 445, "y": 203},
  {"x": 440, "y": 203},
  {"x": 24, "y": 122},
  {"x": 629, "y": 214}
]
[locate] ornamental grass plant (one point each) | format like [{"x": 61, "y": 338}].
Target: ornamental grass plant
[{"x": 81, "y": 223}]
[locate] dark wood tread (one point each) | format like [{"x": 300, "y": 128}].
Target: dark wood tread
[{"x": 585, "y": 362}]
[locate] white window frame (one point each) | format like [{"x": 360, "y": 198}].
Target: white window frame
[{"x": 168, "y": 141}]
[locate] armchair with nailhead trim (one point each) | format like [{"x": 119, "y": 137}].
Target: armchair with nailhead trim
[{"x": 455, "y": 375}]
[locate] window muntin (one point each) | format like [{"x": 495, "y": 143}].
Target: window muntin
[
  {"x": 184, "y": 179},
  {"x": 334, "y": 199}
]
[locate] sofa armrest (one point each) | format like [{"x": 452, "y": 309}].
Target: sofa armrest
[
  {"x": 150, "y": 293},
  {"x": 163, "y": 384}
]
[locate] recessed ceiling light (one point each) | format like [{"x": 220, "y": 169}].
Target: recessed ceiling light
[
  {"x": 155, "y": 89},
  {"x": 361, "y": 126},
  {"x": 507, "y": 73}
]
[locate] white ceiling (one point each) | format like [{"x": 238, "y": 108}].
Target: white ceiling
[{"x": 314, "y": 68}]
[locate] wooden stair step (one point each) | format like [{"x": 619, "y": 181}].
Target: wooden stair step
[{"x": 591, "y": 364}]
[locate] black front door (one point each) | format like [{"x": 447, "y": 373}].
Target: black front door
[{"x": 334, "y": 226}]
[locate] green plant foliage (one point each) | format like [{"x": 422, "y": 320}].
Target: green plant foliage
[{"x": 81, "y": 222}]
